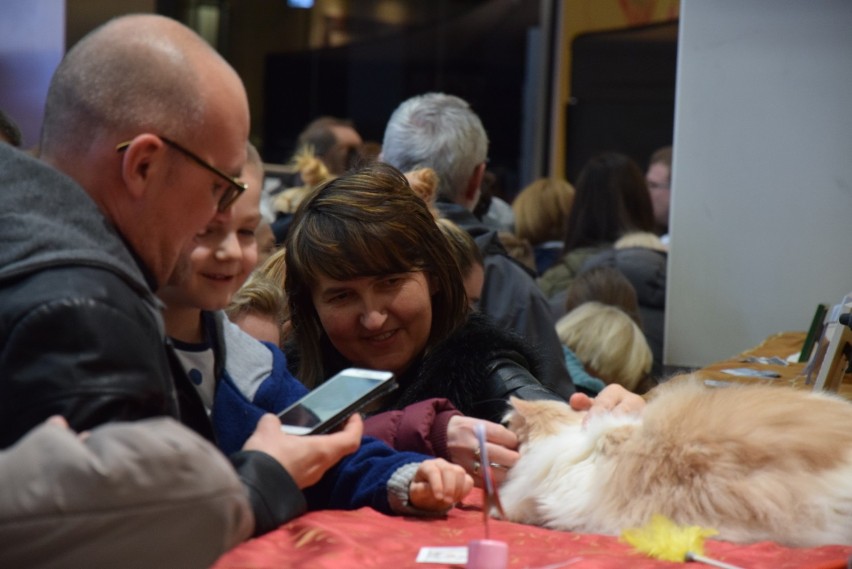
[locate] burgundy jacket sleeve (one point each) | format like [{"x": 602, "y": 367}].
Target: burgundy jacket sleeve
[{"x": 420, "y": 427}]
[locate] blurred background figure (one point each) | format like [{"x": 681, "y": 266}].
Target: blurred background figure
[
  {"x": 659, "y": 179},
  {"x": 334, "y": 141},
  {"x": 605, "y": 285},
  {"x": 469, "y": 257},
  {"x": 254, "y": 174},
  {"x": 494, "y": 211},
  {"x": 541, "y": 218},
  {"x": 611, "y": 200},
  {"x": 259, "y": 307},
  {"x": 643, "y": 260},
  {"x": 263, "y": 297},
  {"x": 326, "y": 148},
  {"x": 311, "y": 171},
  {"x": 623, "y": 361},
  {"x": 603, "y": 342}
]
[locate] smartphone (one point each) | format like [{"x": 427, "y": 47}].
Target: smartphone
[{"x": 327, "y": 406}]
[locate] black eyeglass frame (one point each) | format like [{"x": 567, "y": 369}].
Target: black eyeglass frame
[{"x": 235, "y": 186}]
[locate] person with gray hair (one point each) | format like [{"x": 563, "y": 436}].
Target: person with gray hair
[
  {"x": 145, "y": 129},
  {"x": 442, "y": 132}
]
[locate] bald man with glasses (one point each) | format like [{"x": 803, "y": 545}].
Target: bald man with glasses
[{"x": 144, "y": 136}]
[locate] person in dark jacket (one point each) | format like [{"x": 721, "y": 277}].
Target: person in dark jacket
[
  {"x": 242, "y": 380},
  {"x": 371, "y": 282},
  {"x": 442, "y": 132},
  {"x": 642, "y": 258},
  {"x": 611, "y": 200},
  {"x": 145, "y": 126}
]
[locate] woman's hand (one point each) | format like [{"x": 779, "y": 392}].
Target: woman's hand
[
  {"x": 613, "y": 398},
  {"x": 438, "y": 485},
  {"x": 463, "y": 447},
  {"x": 305, "y": 458}
]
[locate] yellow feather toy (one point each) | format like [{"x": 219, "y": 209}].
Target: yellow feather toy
[{"x": 663, "y": 539}]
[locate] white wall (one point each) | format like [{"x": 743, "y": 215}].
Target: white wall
[{"x": 762, "y": 178}]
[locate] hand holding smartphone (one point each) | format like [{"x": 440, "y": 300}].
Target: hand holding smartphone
[{"x": 327, "y": 406}]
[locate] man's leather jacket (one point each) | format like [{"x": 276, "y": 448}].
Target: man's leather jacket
[{"x": 81, "y": 333}]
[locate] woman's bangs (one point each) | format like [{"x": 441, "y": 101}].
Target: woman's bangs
[{"x": 365, "y": 249}]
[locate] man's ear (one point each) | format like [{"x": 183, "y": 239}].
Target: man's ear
[
  {"x": 471, "y": 192},
  {"x": 142, "y": 156}
]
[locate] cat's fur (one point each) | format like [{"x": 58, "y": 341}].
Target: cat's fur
[{"x": 753, "y": 462}]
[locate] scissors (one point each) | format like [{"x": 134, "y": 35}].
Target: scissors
[{"x": 492, "y": 498}]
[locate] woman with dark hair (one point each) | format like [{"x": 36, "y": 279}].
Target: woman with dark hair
[
  {"x": 371, "y": 282},
  {"x": 611, "y": 200}
]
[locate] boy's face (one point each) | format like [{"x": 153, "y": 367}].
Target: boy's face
[{"x": 225, "y": 252}]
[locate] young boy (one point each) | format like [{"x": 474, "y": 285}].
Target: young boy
[{"x": 241, "y": 379}]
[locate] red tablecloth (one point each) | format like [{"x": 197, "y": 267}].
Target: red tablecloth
[{"x": 364, "y": 538}]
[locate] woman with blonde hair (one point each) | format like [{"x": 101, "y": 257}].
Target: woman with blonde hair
[
  {"x": 312, "y": 172},
  {"x": 642, "y": 258},
  {"x": 259, "y": 308},
  {"x": 541, "y": 218},
  {"x": 606, "y": 343}
]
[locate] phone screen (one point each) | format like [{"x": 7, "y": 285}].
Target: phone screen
[{"x": 332, "y": 402}]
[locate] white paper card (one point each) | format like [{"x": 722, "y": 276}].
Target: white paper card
[{"x": 445, "y": 555}]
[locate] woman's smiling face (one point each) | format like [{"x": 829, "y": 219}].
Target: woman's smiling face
[{"x": 379, "y": 322}]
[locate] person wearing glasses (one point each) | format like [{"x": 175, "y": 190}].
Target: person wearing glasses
[
  {"x": 145, "y": 132},
  {"x": 244, "y": 382}
]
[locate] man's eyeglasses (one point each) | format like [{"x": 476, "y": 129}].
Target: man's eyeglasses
[{"x": 232, "y": 191}]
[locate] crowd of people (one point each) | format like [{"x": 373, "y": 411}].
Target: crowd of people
[{"x": 157, "y": 312}]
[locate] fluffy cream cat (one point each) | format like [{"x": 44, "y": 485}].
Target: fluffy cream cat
[{"x": 753, "y": 462}]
